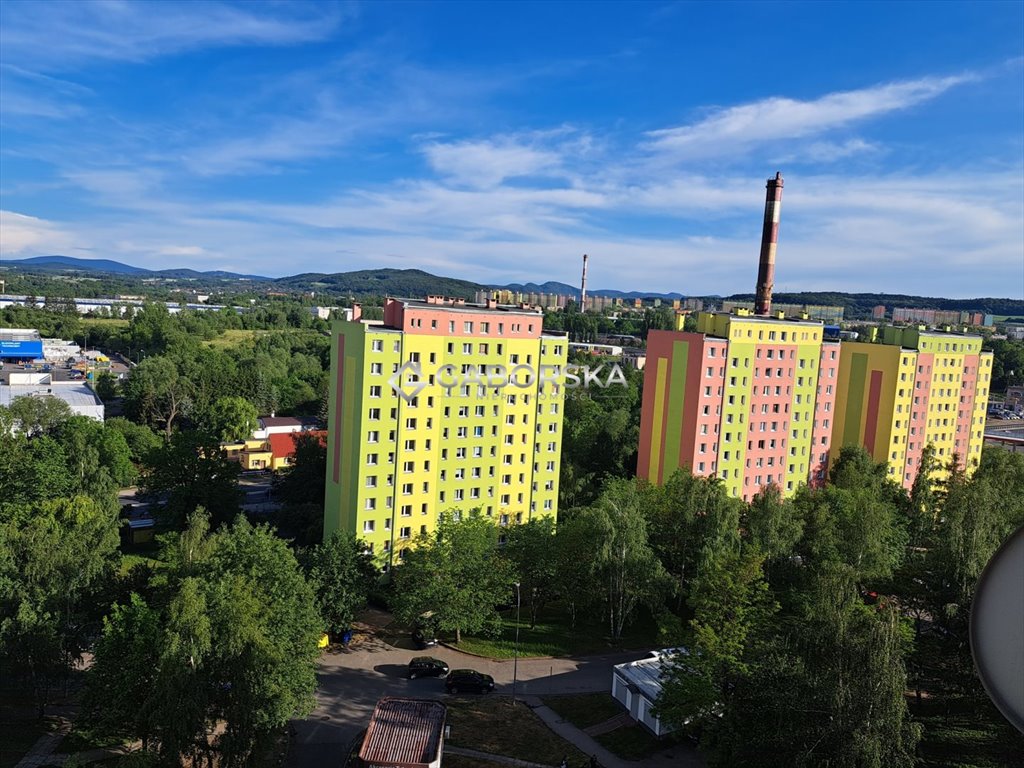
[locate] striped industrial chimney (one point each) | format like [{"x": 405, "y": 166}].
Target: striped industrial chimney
[
  {"x": 769, "y": 241},
  {"x": 583, "y": 286}
]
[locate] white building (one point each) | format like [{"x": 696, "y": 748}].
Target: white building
[
  {"x": 59, "y": 350},
  {"x": 637, "y": 685},
  {"x": 82, "y": 400},
  {"x": 283, "y": 425}
]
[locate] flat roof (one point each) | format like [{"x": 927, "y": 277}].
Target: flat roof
[
  {"x": 770, "y": 319},
  {"x": 404, "y": 733},
  {"x": 645, "y": 674},
  {"x": 511, "y": 309},
  {"x": 19, "y": 334},
  {"x": 74, "y": 393}
]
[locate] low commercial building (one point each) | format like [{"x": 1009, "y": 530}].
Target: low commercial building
[
  {"x": 79, "y": 396},
  {"x": 20, "y": 345},
  {"x": 404, "y": 733},
  {"x": 1014, "y": 398}
]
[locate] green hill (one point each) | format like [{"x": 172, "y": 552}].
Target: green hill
[{"x": 412, "y": 283}]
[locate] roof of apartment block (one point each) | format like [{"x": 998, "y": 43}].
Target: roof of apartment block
[
  {"x": 770, "y": 319},
  {"x": 405, "y": 733},
  {"x": 450, "y": 305}
]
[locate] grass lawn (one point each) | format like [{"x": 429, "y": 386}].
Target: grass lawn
[
  {"x": 491, "y": 724},
  {"x": 235, "y": 336},
  {"x": 458, "y": 761},
  {"x": 971, "y": 736},
  {"x": 104, "y": 322},
  {"x": 632, "y": 743},
  {"x": 554, "y": 637},
  {"x": 585, "y": 709}
]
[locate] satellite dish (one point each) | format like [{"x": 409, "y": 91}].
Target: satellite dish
[{"x": 997, "y": 629}]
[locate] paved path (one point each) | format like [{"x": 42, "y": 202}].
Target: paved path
[
  {"x": 674, "y": 756},
  {"x": 42, "y": 751},
  {"x": 352, "y": 681}
]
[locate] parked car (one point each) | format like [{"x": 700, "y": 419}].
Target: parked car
[
  {"x": 423, "y": 638},
  {"x": 468, "y": 680},
  {"x": 427, "y": 666}
]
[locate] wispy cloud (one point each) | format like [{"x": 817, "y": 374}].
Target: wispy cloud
[
  {"x": 488, "y": 163},
  {"x": 58, "y": 36},
  {"x": 746, "y": 125},
  {"x": 29, "y": 235}
]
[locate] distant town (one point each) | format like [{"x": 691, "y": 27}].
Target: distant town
[{"x": 513, "y": 526}]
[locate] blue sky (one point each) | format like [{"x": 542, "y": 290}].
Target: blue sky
[{"x": 498, "y": 142}]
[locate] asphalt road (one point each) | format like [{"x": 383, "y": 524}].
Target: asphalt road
[{"x": 351, "y": 682}]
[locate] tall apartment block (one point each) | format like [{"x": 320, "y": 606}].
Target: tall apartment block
[
  {"x": 454, "y": 437},
  {"x": 916, "y": 387},
  {"x": 748, "y": 399}
]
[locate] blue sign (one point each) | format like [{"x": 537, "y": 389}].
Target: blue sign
[{"x": 28, "y": 350}]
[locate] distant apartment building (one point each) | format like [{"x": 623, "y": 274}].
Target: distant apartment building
[
  {"x": 937, "y": 316},
  {"x": 826, "y": 314},
  {"x": 915, "y": 388},
  {"x": 878, "y": 312},
  {"x": 515, "y": 298},
  {"x": 453, "y": 436},
  {"x": 747, "y": 399}
]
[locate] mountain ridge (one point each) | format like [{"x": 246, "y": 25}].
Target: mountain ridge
[{"x": 416, "y": 282}]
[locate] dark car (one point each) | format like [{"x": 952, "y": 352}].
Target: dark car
[
  {"x": 424, "y": 638},
  {"x": 467, "y": 680},
  {"x": 427, "y": 666}
]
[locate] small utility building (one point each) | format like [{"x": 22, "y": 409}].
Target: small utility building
[
  {"x": 637, "y": 685},
  {"x": 404, "y": 733}
]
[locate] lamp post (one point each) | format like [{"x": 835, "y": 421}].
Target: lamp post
[{"x": 515, "y": 662}]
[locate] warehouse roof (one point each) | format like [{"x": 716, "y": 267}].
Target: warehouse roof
[
  {"x": 19, "y": 334},
  {"x": 74, "y": 393},
  {"x": 404, "y": 733}
]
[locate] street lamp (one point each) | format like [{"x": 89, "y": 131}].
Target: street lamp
[{"x": 515, "y": 663}]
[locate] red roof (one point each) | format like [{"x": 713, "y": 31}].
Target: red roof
[
  {"x": 404, "y": 733},
  {"x": 283, "y": 446}
]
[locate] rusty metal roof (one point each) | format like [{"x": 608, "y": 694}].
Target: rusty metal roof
[{"x": 404, "y": 733}]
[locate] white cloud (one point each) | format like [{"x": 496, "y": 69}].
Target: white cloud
[
  {"x": 181, "y": 250},
  {"x": 57, "y": 36},
  {"x": 28, "y": 235},
  {"x": 488, "y": 163},
  {"x": 732, "y": 128}
]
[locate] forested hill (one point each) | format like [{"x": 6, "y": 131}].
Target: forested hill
[
  {"x": 412, "y": 283},
  {"x": 60, "y": 275},
  {"x": 860, "y": 304}
]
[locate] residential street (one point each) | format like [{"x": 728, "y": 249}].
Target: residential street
[{"x": 351, "y": 682}]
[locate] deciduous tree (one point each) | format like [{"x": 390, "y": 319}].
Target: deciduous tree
[{"x": 456, "y": 573}]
